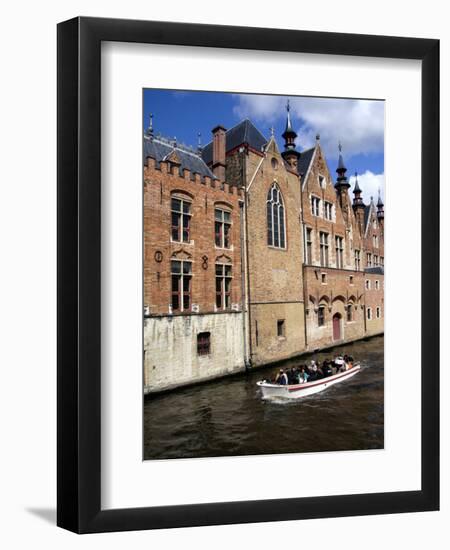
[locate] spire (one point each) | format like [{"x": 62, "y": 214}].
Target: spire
[
  {"x": 199, "y": 143},
  {"x": 379, "y": 202},
  {"x": 290, "y": 153},
  {"x": 342, "y": 182},
  {"x": 289, "y": 135},
  {"x": 380, "y": 207},
  {"x": 150, "y": 126},
  {"x": 357, "y": 200}
]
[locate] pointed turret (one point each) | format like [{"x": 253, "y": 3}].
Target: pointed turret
[
  {"x": 290, "y": 153},
  {"x": 380, "y": 207},
  {"x": 357, "y": 200},
  {"x": 150, "y": 127},
  {"x": 342, "y": 181}
]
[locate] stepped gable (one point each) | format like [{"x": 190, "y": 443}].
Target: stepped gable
[
  {"x": 244, "y": 132},
  {"x": 162, "y": 149}
]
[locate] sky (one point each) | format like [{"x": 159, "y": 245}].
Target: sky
[{"x": 358, "y": 124}]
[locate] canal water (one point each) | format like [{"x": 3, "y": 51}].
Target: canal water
[{"x": 228, "y": 417}]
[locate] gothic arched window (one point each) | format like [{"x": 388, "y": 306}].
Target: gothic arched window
[{"x": 276, "y": 233}]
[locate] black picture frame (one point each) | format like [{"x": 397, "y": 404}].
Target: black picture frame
[{"x": 79, "y": 280}]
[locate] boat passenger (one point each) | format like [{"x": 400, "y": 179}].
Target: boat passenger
[
  {"x": 303, "y": 376},
  {"x": 282, "y": 378},
  {"x": 339, "y": 363},
  {"x": 326, "y": 369}
]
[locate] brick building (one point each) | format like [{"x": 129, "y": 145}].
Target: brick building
[{"x": 252, "y": 255}]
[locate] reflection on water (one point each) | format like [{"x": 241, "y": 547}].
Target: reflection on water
[{"x": 228, "y": 416}]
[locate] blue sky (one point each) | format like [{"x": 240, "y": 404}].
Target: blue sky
[{"x": 357, "y": 124}]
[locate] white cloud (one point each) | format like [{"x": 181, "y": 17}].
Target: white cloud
[
  {"x": 357, "y": 124},
  {"x": 369, "y": 183}
]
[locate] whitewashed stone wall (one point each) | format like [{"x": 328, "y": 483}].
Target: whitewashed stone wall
[{"x": 170, "y": 349}]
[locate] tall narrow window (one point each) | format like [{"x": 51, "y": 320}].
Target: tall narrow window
[
  {"x": 181, "y": 219},
  {"x": 281, "y": 329},
  {"x": 369, "y": 259},
  {"x": 223, "y": 286},
  {"x": 357, "y": 260},
  {"x": 375, "y": 260},
  {"x": 378, "y": 312},
  {"x": 321, "y": 316},
  {"x": 339, "y": 252},
  {"x": 382, "y": 260},
  {"x": 369, "y": 313},
  {"x": 328, "y": 210},
  {"x": 315, "y": 206},
  {"x": 349, "y": 313},
  {"x": 181, "y": 272},
  {"x": 222, "y": 228},
  {"x": 309, "y": 246},
  {"x": 276, "y": 234},
  {"x": 323, "y": 249}
]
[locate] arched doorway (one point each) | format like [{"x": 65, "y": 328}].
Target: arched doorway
[{"x": 337, "y": 326}]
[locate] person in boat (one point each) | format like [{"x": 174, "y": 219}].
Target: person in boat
[
  {"x": 339, "y": 363},
  {"x": 282, "y": 378},
  {"x": 303, "y": 376},
  {"x": 326, "y": 369}
]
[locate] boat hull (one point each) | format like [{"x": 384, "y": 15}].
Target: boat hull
[{"x": 296, "y": 391}]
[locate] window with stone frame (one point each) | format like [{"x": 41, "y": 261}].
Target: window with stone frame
[
  {"x": 315, "y": 206},
  {"x": 369, "y": 259},
  {"x": 222, "y": 227},
  {"x": 375, "y": 260},
  {"x": 181, "y": 219},
  {"x": 324, "y": 253},
  {"x": 281, "y": 328},
  {"x": 309, "y": 246},
  {"x": 339, "y": 249},
  {"x": 349, "y": 313},
  {"x": 328, "y": 210},
  {"x": 367, "y": 284},
  {"x": 378, "y": 312},
  {"x": 224, "y": 278},
  {"x": 369, "y": 313},
  {"x": 181, "y": 275},
  {"x": 321, "y": 316},
  {"x": 276, "y": 231},
  {"x": 382, "y": 261}
]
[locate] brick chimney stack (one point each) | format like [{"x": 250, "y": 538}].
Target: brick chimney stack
[{"x": 218, "y": 165}]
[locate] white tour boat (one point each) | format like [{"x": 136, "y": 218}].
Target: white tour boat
[{"x": 294, "y": 391}]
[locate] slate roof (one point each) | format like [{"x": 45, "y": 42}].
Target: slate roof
[
  {"x": 305, "y": 160},
  {"x": 244, "y": 132},
  {"x": 159, "y": 148},
  {"x": 366, "y": 214},
  {"x": 378, "y": 270}
]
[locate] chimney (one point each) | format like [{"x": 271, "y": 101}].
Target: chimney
[{"x": 218, "y": 165}]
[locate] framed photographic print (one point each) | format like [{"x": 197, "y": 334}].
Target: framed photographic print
[{"x": 248, "y": 304}]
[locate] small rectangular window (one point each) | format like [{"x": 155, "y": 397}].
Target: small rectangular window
[
  {"x": 324, "y": 278},
  {"x": 369, "y": 313},
  {"x": 351, "y": 279},
  {"x": 378, "y": 312},
  {"x": 203, "y": 343},
  {"x": 281, "y": 328},
  {"x": 367, "y": 284}
]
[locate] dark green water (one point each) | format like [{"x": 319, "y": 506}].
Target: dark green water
[{"x": 228, "y": 417}]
